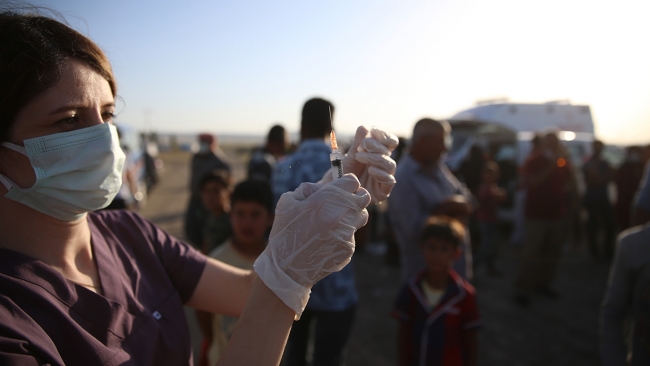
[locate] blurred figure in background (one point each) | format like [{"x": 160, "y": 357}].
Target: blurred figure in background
[
  {"x": 627, "y": 179},
  {"x": 251, "y": 217},
  {"x": 215, "y": 197},
  {"x": 471, "y": 169},
  {"x": 489, "y": 197},
  {"x": 264, "y": 158},
  {"x": 203, "y": 162},
  {"x": 546, "y": 177},
  {"x": 426, "y": 187},
  {"x": 436, "y": 308},
  {"x": 127, "y": 197},
  {"x": 334, "y": 299},
  {"x": 518, "y": 230},
  {"x": 470, "y": 173},
  {"x": 641, "y": 210},
  {"x": 151, "y": 162},
  {"x": 600, "y": 216},
  {"x": 625, "y": 313}
]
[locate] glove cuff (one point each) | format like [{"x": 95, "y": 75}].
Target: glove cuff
[{"x": 286, "y": 289}]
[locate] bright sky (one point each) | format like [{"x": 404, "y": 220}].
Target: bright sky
[{"x": 240, "y": 66}]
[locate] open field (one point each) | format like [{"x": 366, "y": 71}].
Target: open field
[{"x": 549, "y": 332}]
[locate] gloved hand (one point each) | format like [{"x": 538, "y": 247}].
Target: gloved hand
[
  {"x": 312, "y": 236},
  {"x": 369, "y": 159}
]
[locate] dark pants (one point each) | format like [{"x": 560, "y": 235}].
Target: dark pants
[
  {"x": 489, "y": 244},
  {"x": 331, "y": 332},
  {"x": 600, "y": 219},
  {"x": 541, "y": 254}
]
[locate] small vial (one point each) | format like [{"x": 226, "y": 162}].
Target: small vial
[{"x": 335, "y": 158}]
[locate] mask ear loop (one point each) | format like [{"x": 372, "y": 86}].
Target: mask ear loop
[
  {"x": 6, "y": 182},
  {"x": 16, "y": 148},
  {"x": 19, "y": 149}
]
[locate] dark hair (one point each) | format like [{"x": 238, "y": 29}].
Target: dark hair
[
  {"x": 316, "y": 122},
  {"x": 219, "y": 176},
  {"x": 442, "y": 228},
  {"x": 34, "y": 50},
  {"x": 253, "y": 190},
  {"x": 276, "y": 134}
]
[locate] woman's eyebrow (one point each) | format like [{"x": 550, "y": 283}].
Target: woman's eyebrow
[{"x": 67, "y": 108}]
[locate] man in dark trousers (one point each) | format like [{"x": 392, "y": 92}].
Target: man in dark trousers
[
  {"x": 546, "y": 176},
  {"x": 598, "y": 174}
]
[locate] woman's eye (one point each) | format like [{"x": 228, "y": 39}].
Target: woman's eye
[
  {"x": 108, "y": 116},
  {"x": 69, "y": 123}
]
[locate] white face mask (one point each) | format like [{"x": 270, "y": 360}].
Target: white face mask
[{"x": 76, "y": 172}]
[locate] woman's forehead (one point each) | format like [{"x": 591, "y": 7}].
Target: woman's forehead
[{"x": 80, "y": 85}]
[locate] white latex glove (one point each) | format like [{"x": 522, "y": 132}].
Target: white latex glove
[
  {"x": 369, "y": 159},
  {"x": 312, "y": 236}
]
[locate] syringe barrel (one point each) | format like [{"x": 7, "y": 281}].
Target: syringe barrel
[{"x": 337, "y": 165}]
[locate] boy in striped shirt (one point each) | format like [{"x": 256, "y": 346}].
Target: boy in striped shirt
[{"x": 436, "y": 309}]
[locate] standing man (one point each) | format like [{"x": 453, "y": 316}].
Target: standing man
[
  {"x": 546, "y": 176},
  {"x": 333, "y": 301},
  {"x": 203, "y": 162},
  {"x": 426, "y": 187},
  {"x": 598, "y": 174}
]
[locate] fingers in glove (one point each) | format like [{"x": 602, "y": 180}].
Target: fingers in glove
[
  {"x": 348, "y": 182},
  {"x": 361, "y": 134},
  {"x": 365, "y": 195},
  {"x": 373, "y": 146},
  {"x": 381, "y": 176},
  {"x": 387, "y": 139},
  {"x": 305, "y": 190},
  {"x": 363, "y": 218},
  {"x": 377, "y": 160}
]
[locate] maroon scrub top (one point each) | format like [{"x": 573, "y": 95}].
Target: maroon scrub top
[{"x": 146, "y": 276}]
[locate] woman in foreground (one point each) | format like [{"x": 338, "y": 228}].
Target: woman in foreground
[{"x": 85, "y": 288}]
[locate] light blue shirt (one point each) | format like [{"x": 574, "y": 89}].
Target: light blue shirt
[
  {"x": 415, "y": 195},
  {"x": 309, "y": 163}
]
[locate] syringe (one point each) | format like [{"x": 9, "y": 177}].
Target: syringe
[{"x": 335, "y": 158}]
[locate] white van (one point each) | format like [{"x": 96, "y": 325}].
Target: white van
[
  {"x": 510, "y": 127},
  {"x": 505, "y": 130}
]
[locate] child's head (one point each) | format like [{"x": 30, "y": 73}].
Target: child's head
[
  {"x": 490, "y": 172},
  {"x": 440, "y": 241},
  {"x": 251, "y": 212},
  {"x": 215, "y": 195}
]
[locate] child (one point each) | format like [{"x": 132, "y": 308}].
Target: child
[
  {"x": 436, "y": 308},
  {"x": 215, "y": 197},
  {"x": 251, "y": 217},
  {"x": 489, "y": 196}
]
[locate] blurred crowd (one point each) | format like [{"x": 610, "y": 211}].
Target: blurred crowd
[{"x": 442, "y": 228}]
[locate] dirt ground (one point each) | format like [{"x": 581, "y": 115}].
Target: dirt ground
[{"x": 549, "y": 332}]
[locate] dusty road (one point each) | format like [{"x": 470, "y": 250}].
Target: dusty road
[{"x": 549, "y": 332}]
